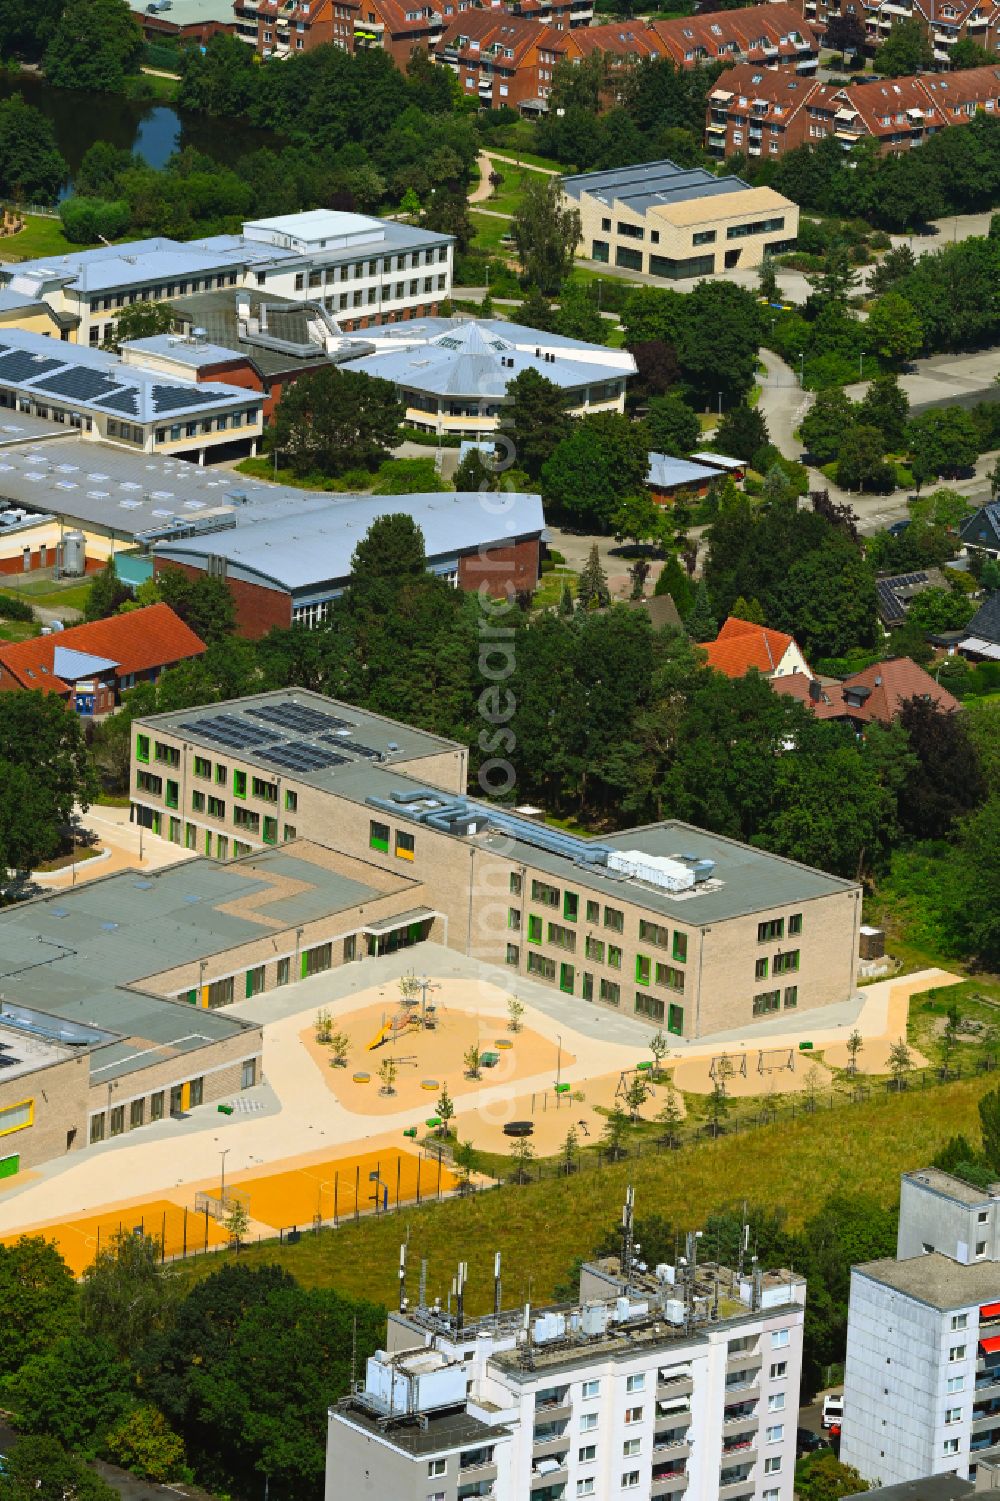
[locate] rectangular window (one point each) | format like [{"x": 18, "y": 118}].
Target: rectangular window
[
  {"x": 611, "y": 992},
  {"x": 547, "y": 895},
  {"x": 270, "y": 830},
  {"x": 136, "y": 1114},
  {"x": 16, "y": 1117},
  {"x": 960, "y": 1321},
  {"x": 776, "y": 1433},
  {"x": 173, "y": 794},
  {"x": 585, "y": 1487},
  {"x": 571, "y": 906},
  {"x": 515, "y": 883},
  {"x": 636, "y": 1383},
  {"x": 282, "y": 971},
  {"x": 513, "y": 954},
  {"x": 631, "y": 1477},
  {"x": 247, "y": 818},
  {"x": 614, "y": 919},
  {"x": 148, "y": 781},
  {"x": 953, "y": 1414},
  {"x": 703, "y": 237},
  {"x": 220, "y": 774},
  {"x": 633, "y": 1415},
  {"x": 950, "y": 1446},
  {"x": 316, "y": 961},
  {"x": 220, "y": 993},
  {"x": 405, "y": 847},
  {"x": 955, "y": 1384},
  {"x": 539, "y": 965},
  {"x": 795, "y": 925},
  {"x": 760, "y": 970},
  {"x": 632, "y": 1448},
  {"x": 534, "y": 928},
  {"x": 291, "y": 802},
  {"x": 216, "y": 807},
  {"x": 766, "y": 1002},
  {"x": 642, "y": 969},
  {"x": 594, "y": 949},
  {"x": 785, "y": 964},
  {"x": 248, "y": 1073},
  {"x": 791, "y": 997},
  {"x": 567, "y": 976},
  {"x": 779, "y": 1370},
  {"x": 675, "y": 1020},
  {"x": 97, "y": 1128},
  {"x": 202, "y": 768},
  {"x": 779, "y": 1338},
  {"x": 651, "y": 932},
  {"x": 198, "y": 802},
  {"x": 169, "y": 754},
  {"x": 773, "y": 928},
  {"x": 378, "y": 836},
  {"x": 587, "y": 985},
  {"x": 588, "y": 1422},
  {"x": 772, "y": 1464},
  {"x": 239, "y": 784},
  {"x": 776, "y": 1402},
  {"x": 437, "y": 1467},
  {"x": 680, "y": 947},
  {"x": 562, "y": 938},
  {"x": 672, "y": 978},
  {"x": 593, "y": 911},
  {"x": 629, "y": 260},
  {"x": 513, "y": 918},
  {"x": 255, "y": 981},
  {"x": 267, "y": 791},
  {"x": 142, "y": 747},
  {"x": 156, "y": 1106},
  {"x": 614, "y": 956},
  {"x": 289, "y": 832},
  {"x": 117, "y": 1120},
  {"x": 648, "y": 1005}
]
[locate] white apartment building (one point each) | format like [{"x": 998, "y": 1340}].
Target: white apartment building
[
  {"x": 922, "y": 1381},
  {"x": 365, "y": 271},
  {"x": 678, "y": 1382}
]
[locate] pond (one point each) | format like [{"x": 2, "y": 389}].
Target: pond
[{"x": 151, "y": 128}]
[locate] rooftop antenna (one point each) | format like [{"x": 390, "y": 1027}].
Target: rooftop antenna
[
  {"x": 496, "y": 1286},
  {"x": 422, "y": 1293},
  {"x": 402, "y": 1278},
  {"x": 354, "y": 1354},
  {"x": 463, "y": 1272},
  {"x": 744, "y": 1239},
  {"x": 628, "y": 1209}
]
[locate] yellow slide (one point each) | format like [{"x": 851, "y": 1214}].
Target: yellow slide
[{"x": 381, "y": 1036}]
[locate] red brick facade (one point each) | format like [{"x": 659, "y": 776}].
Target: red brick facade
[
  {"x": 502, "y": 570},
  {"x": 257, "y": 609}
]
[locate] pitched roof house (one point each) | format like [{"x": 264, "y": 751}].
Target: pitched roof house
[
  {"x": 982, "y": 642},
  {"x": 875, "y": 695},
  {"x": 982, "y": 530},
  {"x": 90, "y": 665},
  {"x": 741, "y": 645}
]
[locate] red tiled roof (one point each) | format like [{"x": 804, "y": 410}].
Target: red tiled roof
[
  {"x": 829, "y": 700},
  {"x": 889, "y": 685},
  {"x": 719, "y": 33},
  {"x": 139, "y": 641},
  {"x": 741, "y": 645}
]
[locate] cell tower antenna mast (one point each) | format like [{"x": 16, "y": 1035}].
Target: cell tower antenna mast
[
  {"x": 628, "y": 1231},
  {"x": 496, "y": 1286}
]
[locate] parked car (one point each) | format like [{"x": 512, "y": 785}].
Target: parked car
[
  {"x": 833, "y": 1411},
  {"x": 807, "y": 1442},
  {"x": 899, "y": 527}
]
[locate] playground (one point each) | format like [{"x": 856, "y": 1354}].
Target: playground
[{"x": 337, "y": 1134}]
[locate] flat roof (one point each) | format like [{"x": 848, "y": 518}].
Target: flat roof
[
  {"x": 745, "y": 880},
  {"x": 101, "y": 941},
  {"x": 651, "y": 184},
  {"x": 183, "y": 350},
  {"x": 936, "y": 1280},
  {"x": 426, "y": 1433},
  {"x": 950, "y": 1187},
  {"x": 303, "y": 542},
  {"x": 667, "y": 471},
  {"x": 947, "y": 1487}
]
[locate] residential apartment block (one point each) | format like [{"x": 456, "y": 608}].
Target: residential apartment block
[
  {"x": 944, "y": 21},
  {"x": 922, "y": 1380},
  {"x": 765, "y": 114},
  {"x": 677, "y": 222},
  {"x": 681, "y": 1381},
  {"x": 363, "y": 270},
  {"x": 690, "y": 931},
  {"x": 501, "y": 59}
]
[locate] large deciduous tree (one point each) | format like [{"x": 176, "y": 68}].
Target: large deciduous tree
[
  {"x": 95, "y": 45},
  {"x": 534, "y": 420},
  {"x": 602, "y": 461},
  {"x": 44, "y": 772},
  {"x": 945, "y": 781},
  {"x": 547, "y": 231},
  {"x": 32, "y": 168},
  {"x": 336, "y": 420}
]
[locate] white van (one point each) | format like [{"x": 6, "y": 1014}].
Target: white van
[{"x": 833, "y": 1411}]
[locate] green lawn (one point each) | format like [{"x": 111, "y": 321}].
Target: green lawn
[
  {"x": 40, "y": 236},
  {"x": 507, "y": 200},
  {"x": 549, "y": 591},
  {"x": 489, "y": 233},
  {"x": 49, "y": 593},
  {"x": 792, "y": 1165},
  {"x": 18, "y": 630}
]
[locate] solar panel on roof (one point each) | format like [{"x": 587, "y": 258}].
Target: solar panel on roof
[
  {"x": 19, "y": 365},
  {"x": 298, "y": 717},
  {"x": 79, "y": 384},
  {"x": 123, "y": 400},
  {"x": 361, "y": 750},
  {"x": 175, "y": 398}
]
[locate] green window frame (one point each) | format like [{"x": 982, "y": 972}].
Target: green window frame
[
  {"x": 771, "y": 928},
  {"x": 614, "y": 919},
  {"x": 534, "y": 928},
  {"x": 649, "y": 1005},
  {"x": 169, "y": 754},
  {"x": 672, "y": 978},
  {"x": 587, "y": 985},
  {"x": 571, "y": 906},
  {"x": 593, "y": 911},
  {"x": 542, "y": 892},
  {"x": 289, "y": 832},
  {"x": 614, "y": 956},
  {"x": 795, "y": 925},
  {"x": 175, "y": 831},
  {"x": 221, "y": 774},
  {"x": 514, "y": 918},
  {"x": 142, "y": 748},
  {"x": 291, "y": 801},
  {"x": 239, "y": 784},
  {"x": 317, "y": 961},
  {"x": 198, "y": 801},
  {"x": 173, "y": 793},
  {"x": 562, "y": 938},
  {"x": 222, "y": 846},
  {"x": 191, "y": 836},
  {"x": 539, "y": 964},
  {"x": 266, "y": 791},
  {"x": 675, "y": 1019},
  {"x": 282, "y": 971},
  {"x": 760, "y": 969},
  {"x": 254, "y": 981},
  {"x": 610, "y": 992},
  {"x": 680, "y": 949},
  {"x": 567, "y": 978},
  {"x": 202, "y": 767},
  {"x": 766, "y": 1001},
  {"x": 594, "y": 949},
  {"x": 786, "y": 963},
  {"x": 378, "y": 836},
  {"x": 216, "y": 807},
  {"x": 270, "y": 830},
  {"x": 643, "y": 969},
  {"x": 791, "y": 997}
]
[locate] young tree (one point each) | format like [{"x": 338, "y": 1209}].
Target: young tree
[
  {"x": 822, "y": 1477},
  {"x": 767, "y": 280},
  {"x": 701, "y": 624},
  {"x": 237, "y": 1222},
  {"x": 566, "y": 605},
  {"x": 636, "y": 1095},
  {"x": 885, "y": 405},
  {"x": 949, "y": 1036},
  {"x": 570, "y": 1150},
  {"x": 515, "y": 1011},
  {"x": 521, "y": 1153},
  {"x": 339, "y": 1046},
  {"x": 445, "y": 1108},
  {"x": 323, "y": 1026},
  {"x": 748, "y": 609},
  {"x": 464, "y": 1157},
  {"x": 471, "y": 1058},
  {"x": 669, "y": 1113},
  {"x": 718, "y": 1106},
  {"x": 477, "y": 472},
  {"x": 615, "y": 1133},
  {"x": 143, "y": 1442},
  {"x": 894, "y": 267},
  {"x": 905, "y": 50},
  {"x": 826, "y": 424},
  {"x": 811, "y": 1086},
  {"x": 592, "y": 592},
  {"x": 387, "y": 1071},
  {"x": 900, "y": 1062},
  {"x": 106, "y": 594},
  {"x": 546, "y": 233},
  {"x": 855, "y": 1044},
  {"x": 894, "y": 329},
  {"x": 659, "y": 1047},
  {"x": 125, "y": 1296},
  {"x": 335, "y": 420}
]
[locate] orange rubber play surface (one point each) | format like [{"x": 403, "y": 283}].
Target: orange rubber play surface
[
  {"x": 296, "y": 1196},
  {"x": 78, "y": 1240}
]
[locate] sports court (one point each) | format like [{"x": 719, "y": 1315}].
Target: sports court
[
  {"x": 78, "y": 1241},
  {"x": 333, "y": 1189}
]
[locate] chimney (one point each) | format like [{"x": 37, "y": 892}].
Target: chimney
[{"x": 815, "y": 691}]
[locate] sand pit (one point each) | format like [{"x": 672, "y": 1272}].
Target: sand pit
[{"x": 428, "y": 1058}]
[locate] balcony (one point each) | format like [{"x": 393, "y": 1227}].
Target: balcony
[
  {"x": 673, "y": 1386},
  {"x": 736, "y": 1490},
  {"x": 671, "y": 1452},
  {"x": 744, "y": 1380},
  {"x": 479, "y": 1490},
  {"x": 548, "y": 1481},
  {"x": 555, "y": 1446},
  {"x": 668, "y": 1483},
  {"x": 743, "y": 1447},
  {"x": 551, "y": 1406}
]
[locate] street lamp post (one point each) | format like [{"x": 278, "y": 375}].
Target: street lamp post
[
  {"x": 720, "y": 404},
  {"x": 222, "y": 1190},
  {"x": 861, "y": 366},
  {"x": 802, "y": 371}
]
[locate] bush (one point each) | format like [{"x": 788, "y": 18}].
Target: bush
[
  {"x": 831, "y": 369},
  {"x": 12, "y": 608},
  {"x": 407, "y": 477},
  {"x": 85, "y": 220},
  {"x": 428, "y": 440}
]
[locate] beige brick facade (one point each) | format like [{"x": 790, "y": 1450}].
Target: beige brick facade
[{"x": 57, "y": 1095}]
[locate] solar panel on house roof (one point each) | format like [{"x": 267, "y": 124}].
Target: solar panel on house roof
[
  {"x": 19, "y": 365},
  {"x": 79, "y": 384},
  {"x": 176, "y": 398},
  {"x": 124, "y": 400}
]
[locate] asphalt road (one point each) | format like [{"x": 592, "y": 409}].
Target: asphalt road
[{"x": 126, "y": 1485}]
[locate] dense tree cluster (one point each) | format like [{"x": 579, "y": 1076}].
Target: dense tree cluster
[
  {"x": 32, "y": 168},
  {"x": 44, "y": 772},
  {"x": 232, "y": 1379}
]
